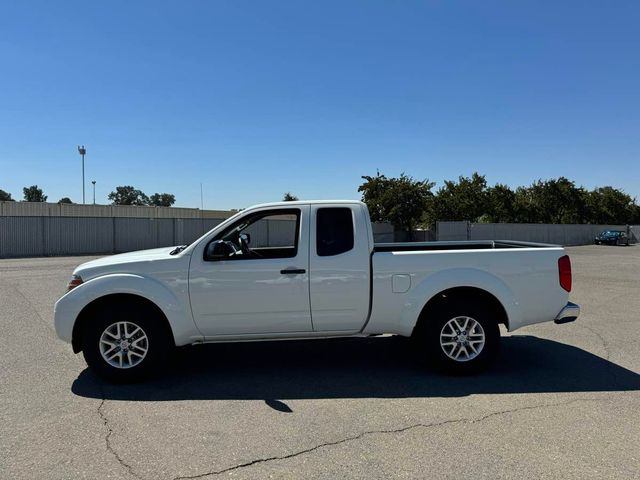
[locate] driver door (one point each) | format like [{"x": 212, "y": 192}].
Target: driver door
[{"x": 260, "y": 290}]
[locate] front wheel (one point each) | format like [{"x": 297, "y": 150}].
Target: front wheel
[
  {"x": 125, "y": 343},
  {"x": 459, "y": 340}
]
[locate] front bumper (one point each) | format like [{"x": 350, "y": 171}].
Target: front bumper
[{"x": 569, "y": 313}]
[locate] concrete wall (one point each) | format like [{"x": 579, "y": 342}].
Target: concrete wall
[
  {"x": 452, "y": 231},
  {"x": 383, "y": 232},
  {"x": 45, "y": 236},
  {"x": 386, "y": 233},
  {"x": 43, "y": 229},
  {"x": 528, "y": 232}
]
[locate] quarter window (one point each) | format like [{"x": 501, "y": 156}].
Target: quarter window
[{"x": 334, "y": 231}]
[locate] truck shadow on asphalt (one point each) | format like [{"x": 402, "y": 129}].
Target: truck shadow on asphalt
[{"x": 360, "y": 368}]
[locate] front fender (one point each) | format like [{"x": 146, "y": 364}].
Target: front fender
[
  {"x": 452, "y": 278},
  {"x": 176, "y": 310}
]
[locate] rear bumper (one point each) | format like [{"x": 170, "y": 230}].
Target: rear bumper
[{"x": 569, "y": 313}]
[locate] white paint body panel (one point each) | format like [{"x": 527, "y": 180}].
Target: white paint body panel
[
  {"x": 236, "y": 297},
  {"x": 340, "y": 283},
  {"x": 524, "y": 280},
  {"x": 357, "y": 292},
  {"x": 152, "y": 274}
]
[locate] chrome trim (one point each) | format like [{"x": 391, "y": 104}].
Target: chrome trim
[{"x": 569, "y": 313}]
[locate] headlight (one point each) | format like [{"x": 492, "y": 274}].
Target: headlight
[{"x": 74, "y": 282}]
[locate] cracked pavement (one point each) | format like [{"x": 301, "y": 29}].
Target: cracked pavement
[{"x": 561, "y": 402}]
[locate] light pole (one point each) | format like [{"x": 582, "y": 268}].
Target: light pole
[
  {"x": 94, "y": 191},
  {"x": 82, "y": 151}
]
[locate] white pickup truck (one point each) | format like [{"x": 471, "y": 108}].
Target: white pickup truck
[{"x": 312, "y": 270}]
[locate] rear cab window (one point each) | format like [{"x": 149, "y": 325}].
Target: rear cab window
[{"x": 334, "y": 231}]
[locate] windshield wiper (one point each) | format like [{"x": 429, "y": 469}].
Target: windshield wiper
[{"x": 178, "y": 249}]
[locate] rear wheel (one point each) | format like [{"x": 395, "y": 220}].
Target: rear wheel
[
  {"x": 126, "y": 343},
  {"x": 459, "y": 339}
]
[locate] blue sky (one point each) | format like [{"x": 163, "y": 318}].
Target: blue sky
[{"x": 257, "y": 98}]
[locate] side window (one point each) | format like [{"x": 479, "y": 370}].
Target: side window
[
  {"x": 334, "y": 231},
  {"x": 267, "y": 234},
  {"x": 274, "y": 231}
]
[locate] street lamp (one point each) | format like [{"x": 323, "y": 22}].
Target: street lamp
[
  {"x": 82, "y": 151},
  {"x": 94, "y": 191}
]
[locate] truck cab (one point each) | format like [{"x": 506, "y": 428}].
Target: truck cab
[{"x": 267, "y": 271}]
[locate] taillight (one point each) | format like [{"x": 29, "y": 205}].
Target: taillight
[{"x": 564, "y": 270}]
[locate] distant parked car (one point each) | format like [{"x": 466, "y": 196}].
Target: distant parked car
[{"x": 612, "y": 237}]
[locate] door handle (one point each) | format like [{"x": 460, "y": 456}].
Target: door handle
[{"x": 293, "y": 271}]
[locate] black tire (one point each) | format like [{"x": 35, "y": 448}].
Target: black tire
[
  {"x": 159, "y": 342},
  {"x": 427, "y": 338}
]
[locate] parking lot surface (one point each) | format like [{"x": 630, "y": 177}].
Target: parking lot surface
[{"x": 562, "y": 401}]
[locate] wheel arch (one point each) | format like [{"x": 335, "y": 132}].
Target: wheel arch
[
  {"x": 456, "y": 294},
  {"x": 171, "y": 300},
  {"x": 85, "y": 315}
]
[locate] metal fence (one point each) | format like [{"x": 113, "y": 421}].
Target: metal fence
[
  {"x": 29, "y": 229},
  {"x": 45, "y": 229},
  {"x": 560, "y": 234},
  {"x": 46, "y": 236},
  {"x": 43, "y": 209}
]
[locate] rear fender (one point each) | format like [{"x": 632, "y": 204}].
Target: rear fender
[{"x": 457, "y": 277}]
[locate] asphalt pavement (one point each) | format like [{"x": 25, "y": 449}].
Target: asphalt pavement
[{"x": 562, "y": 401}]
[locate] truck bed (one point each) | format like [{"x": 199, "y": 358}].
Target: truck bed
[
  {"x": 456, "y": 245},
  {"x": 518, "y": 274}
]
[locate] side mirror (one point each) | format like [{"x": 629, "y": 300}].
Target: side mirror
[
  {"x": 218, "y": 250},
  {"x": 246, "y": 238}
]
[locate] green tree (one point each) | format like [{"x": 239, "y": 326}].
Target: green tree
[
  {"x": 402, "y": 201},
  {"x": 128, "y": 195},
  {"x": 466, "y": 199},
  {"x": 523, "y": 210},
  {"x": 65, "y": 200},
  {"x": 501, "y": 204},
  {"x": 635, "y": 219},
  {"x": 289, "y": 197},
  {"x": 610, "y": 205},
  {"x": 5, "y": 196},
  {"x": 34, "y": 194},
  {"x": 162, "y": 199},
  {"x": 557, "y": 201}
]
